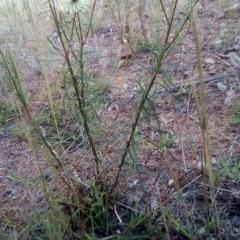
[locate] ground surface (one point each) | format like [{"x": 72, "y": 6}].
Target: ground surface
[{"x": 150, "y": 181}]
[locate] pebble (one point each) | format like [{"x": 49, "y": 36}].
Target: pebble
[
  {"x": 7, "y": 192},
  {"x": 153, "y": 204},
  {"x": 170, "y": 182},
  {"x": 47, "y": 175},
  {"x": 209, "y": 61},
  {"x": 222, "y": 87},
  {"x": 201, "y": 166}
]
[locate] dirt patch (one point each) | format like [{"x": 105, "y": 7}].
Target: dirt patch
[{"x": 19, "y": 177}]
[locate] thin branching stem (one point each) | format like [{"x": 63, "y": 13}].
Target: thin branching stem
[
  {"x": 159, "y": 59},
  {"x": 91, "y": 19},
  {"x": 171, "y": 22},
  {"x": 79, "y": 93},
  {"x": 164, "y": 12}
]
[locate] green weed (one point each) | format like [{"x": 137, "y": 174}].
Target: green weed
[{"x": 236, "y": 118}]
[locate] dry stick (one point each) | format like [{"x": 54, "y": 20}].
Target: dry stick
[
  {"x": 230, "y": 151},
  {"x": 197, "y": 83},
  {"x": 220, "y": 58},
  {"x": 203, "y": 121},
  {"x": 202, "y": 115}
]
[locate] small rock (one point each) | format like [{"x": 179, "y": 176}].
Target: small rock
[
  {"x": 230, "y": 95},
  {"x": 219, "y": 42},
  {"x": 201, "y": 166},
  {"x": 134, "y": 183},
  {"x": 189, "y": 196},
  {"x": 153, "y": 204},
  {"x": 214, "y": 161},
  {"x": 222, "y": 87},
  {"x": 236, "y": 223},
  {"x": 113, "y": 108},
  {"x": 7, "y": 192},
  {"x": 170, "y": 182},
  {"x": 210, "y": 66},
  {"x": 209, "y": 61},
  {"x": 235, "y": 59},
  {"x": 202, "y": 231},
  {"x": 109, "y": 96},
  {"x": 236, "y": 197},
  {"x": 126, "y": 52},
  {"x": 237, "y": 43},
  {"x": 212, "y": 71},
  {"x": 47, "y": 175}
]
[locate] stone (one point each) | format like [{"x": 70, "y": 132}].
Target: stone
[
  {"x": 47, "y": 175},
  {"x": 209, "y": 61},
  {"x": 222, "y": 87}
]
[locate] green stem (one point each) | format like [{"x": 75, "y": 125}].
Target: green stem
[
  {"x": 160, "y": 57},
  {"x": 79, "y": 94}
]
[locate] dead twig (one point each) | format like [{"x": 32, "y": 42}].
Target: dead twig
[{"x": 196, "y": 83}]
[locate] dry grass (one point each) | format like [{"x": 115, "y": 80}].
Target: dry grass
[{"x": 159, "y": 176}]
